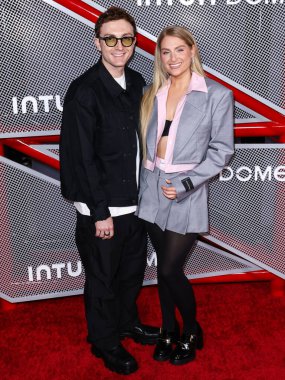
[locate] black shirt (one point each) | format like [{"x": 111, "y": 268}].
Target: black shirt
[{"x": 98, "y": 140}]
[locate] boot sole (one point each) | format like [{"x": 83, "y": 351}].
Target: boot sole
[
  {"x": 182, "y": 361},
  {"x": 199, "y": 346},
  {"x": 159, "y": 359},
  {"x": 120, "y": 371}
]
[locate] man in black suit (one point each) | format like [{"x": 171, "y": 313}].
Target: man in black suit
[{"x": 99, "y": 155}]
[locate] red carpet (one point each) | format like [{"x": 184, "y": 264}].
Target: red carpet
[{"x": 244, "y": 338}]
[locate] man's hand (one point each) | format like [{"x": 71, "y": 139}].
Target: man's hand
[
  {"x": 105, "y": 228},
  {"x": 169, "y": 192}
]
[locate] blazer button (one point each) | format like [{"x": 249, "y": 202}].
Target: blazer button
[
  {"x": 123, "y": 180},
  {"x": 131, "y": 117}
]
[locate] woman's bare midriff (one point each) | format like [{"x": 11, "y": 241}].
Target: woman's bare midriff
[{"x": 161, "y": 147}]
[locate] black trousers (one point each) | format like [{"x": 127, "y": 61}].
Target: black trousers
[{"x": 114, "y": 272}]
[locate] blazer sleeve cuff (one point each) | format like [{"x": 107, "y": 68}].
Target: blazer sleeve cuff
[
  {"x": 184, "y": 187},
  {"x": 99, "y": 213}
]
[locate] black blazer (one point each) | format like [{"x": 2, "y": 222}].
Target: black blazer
[{"x": 98, "y": 140}]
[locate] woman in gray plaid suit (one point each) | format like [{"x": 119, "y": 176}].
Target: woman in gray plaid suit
[{"x": 187, "y": 136}]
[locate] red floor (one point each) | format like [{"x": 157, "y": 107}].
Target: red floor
[{"x": 244, "y": 338}]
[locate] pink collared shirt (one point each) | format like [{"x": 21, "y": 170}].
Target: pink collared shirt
[{"x": 197, "y": 83}]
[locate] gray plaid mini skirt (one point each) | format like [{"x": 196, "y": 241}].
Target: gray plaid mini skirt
[{"x": 169, "y": 214}]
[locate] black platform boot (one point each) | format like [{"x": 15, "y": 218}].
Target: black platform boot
[
  {"x": 185, "y": 351},
  {"x": 163, "y": 348}
]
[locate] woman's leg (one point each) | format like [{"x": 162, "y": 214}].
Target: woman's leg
[
  {"x": 157, "y": 237},
  {"x": 170, "y": 272}
]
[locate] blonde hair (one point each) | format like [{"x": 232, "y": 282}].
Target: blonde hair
[{"x": 160, "y": 76}]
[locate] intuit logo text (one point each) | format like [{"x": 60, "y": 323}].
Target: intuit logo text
[
  {"x": 30, "y": 103},
  {"x": 54, "y": 271}
]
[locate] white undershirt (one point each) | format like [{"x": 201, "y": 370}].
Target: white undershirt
[{"x": 83, "y": 209}]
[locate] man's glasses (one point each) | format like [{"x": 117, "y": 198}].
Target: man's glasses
[{"x": 112, "y": 41}]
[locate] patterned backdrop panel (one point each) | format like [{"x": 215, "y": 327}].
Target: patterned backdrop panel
[{"x": 44, "y": 49}]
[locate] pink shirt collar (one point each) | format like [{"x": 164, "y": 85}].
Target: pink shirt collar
[{"x": 197, "y": 83}]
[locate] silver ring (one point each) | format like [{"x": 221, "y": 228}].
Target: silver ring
[{"x": 107, "y": 233}]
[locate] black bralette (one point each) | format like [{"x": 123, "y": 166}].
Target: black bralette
[{"x": 166, "y": 128}]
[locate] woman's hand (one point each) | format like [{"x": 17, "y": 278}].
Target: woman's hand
[{"x": 169, "y": 192}]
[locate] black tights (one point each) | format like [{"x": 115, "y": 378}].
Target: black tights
[{"x": 174, "y": 288}]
